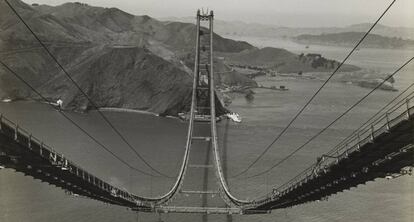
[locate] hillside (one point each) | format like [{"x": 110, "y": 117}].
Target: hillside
[
  {"x": 119, "y": 59},
  {"x": 122, "y": 60},
  {"x": 81, "y": 23},
  {"x": 135, "y": 78},
  {"x": 350, "y": 38},
  {"x": 182, "y": 39}
]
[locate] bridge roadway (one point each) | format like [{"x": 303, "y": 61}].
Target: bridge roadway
[{"x": 385, "y": 149}]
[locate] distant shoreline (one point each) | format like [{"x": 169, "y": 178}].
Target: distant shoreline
[{"x": 348, "y": 39}]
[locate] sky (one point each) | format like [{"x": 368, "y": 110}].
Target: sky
[{"x": 295, "y": 13}]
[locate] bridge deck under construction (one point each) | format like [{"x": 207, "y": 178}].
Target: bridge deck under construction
[
  {"x": 383, "y": 153},
  {"x": 25, "y": 153},
  {"x": 384, "y": 149}
]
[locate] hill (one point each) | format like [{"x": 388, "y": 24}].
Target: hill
[
  {"x": 350, "y": 38},
  {"x": 283, "y": 61},
  {"x": 123, "y": 60},
  {"x": 119, "y": 59},
  {"x": 238, "y": 28}
]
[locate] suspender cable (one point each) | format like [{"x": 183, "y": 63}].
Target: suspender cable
[
  {"x": 313, "y": 97},
  {"x": 369, "y": 120},
  {"x": 337, "y": 147},
  {"x": 86, "y": 96}
]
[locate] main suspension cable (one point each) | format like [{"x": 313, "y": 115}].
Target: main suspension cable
[
  {"x": 329, "y": 153},
  {"x": 337, "y": 147},
  {"x": 313, "y": 96},
  {"x": 85, "y": 94},
  {"x": 333, "y": 122},
  {"x": 74, "y": 123}
]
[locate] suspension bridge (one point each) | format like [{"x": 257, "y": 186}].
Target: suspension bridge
[{"x": 382, "y": 148}]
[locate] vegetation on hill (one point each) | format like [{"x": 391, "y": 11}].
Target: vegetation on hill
[
  {"x": 122, "y": 60},
  {"x": 119, "y": 59}
]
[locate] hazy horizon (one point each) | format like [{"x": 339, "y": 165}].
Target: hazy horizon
[{"x": 293, "y": 13}]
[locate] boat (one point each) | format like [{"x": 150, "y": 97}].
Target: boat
[
  {"x": 58, "y": 104},
  {"x": 7, "y": 100},
  {"x": 234, "y": 116}
]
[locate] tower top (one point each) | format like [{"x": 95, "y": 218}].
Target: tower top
[{"x": 205, "y": 13}]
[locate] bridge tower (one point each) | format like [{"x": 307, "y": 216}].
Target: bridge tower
[
  {"x": 203, "y": 67},
  {"x": 200, "y": 190}
]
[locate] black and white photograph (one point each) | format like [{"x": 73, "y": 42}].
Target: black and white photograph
[{"x": 206, "y": 111}]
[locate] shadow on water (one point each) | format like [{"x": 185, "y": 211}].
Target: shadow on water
[
  {"x": 205, "y": 179},
  {"x": 229, "y": 218}
]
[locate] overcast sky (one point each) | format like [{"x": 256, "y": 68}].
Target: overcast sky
[{"x": 298, "y": 13}]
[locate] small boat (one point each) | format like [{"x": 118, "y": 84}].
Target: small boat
[
  {"x": 183, "y": 116},
  {"x": 234, "y": 116},
  {"x": 7, "y": 100},
  {"x": 58, "y": 104}
]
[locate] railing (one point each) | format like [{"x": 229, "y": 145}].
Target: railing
[
  {"x": 23, "y": 137},
  {"x": 403, "y": 110}
]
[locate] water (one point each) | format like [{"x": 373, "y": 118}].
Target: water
[{"x": 161, "y": 141}]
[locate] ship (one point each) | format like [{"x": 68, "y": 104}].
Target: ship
[{"x": 234, "y": 116}]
